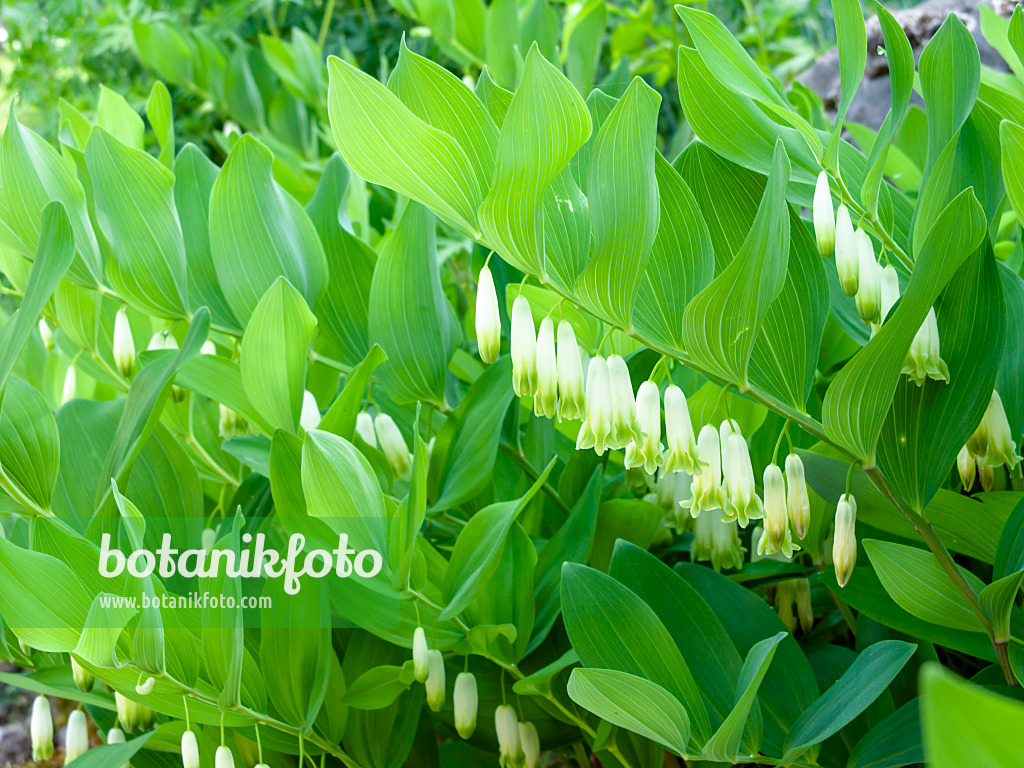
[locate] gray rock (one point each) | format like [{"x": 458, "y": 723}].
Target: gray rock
[{"x": 920, "y": 23}]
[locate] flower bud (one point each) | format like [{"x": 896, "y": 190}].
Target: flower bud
[
  {"x": 804, "y": 607},
  {"x": 115, "y": 736},
  {"x": 847, "y": 252},
  {"x": 523, "y": 342},
  {"x": 869, "y": 287},
  {"x": 420, "y": 655},
  {"x": 967, "y": 466},
  {"x": 76, "y": 736},
  {"x": 742, "y": 502},
  {"x": 890, "y": 290},
  {"x": 597, "y": 424},
  {"x": 208, "y": 348},
  {"x": 987, "y": 477},
  {"x": 129, "y": 714},
  {"x": 82, "y": 677},
  {"x": 682, "y": 445},
  {"x": 706, "y": 487},
  {"x": 230, "y": 424},
  {"x": 923, "y": 361},
  {"x": 208, "y": 539},
  {"x": 624, "y": 424},
  {"x": 784, "y": 604},
  {"x": 647, "y": 452},
  {"x": 992, "y": 442},
  {"x": 797, "y": 498},
  {"x": 145, "y": 688},
  {"x": 162, "y": 340},
  {"x": 189, "y": 750},
  {"x": 223, "y": 758},
  {"x": 844, "y": 546},
  {"x": 718, "y": 541},
  {"x": 824, "y": 217},
  {"x": 465, "y": 703},
  {"x": 776, "y": 535},
  {"x": 392, "y": 444},
  {"x": 572, "y": 403},
  {"x": 364, "y": 428},
  {"x": 545, "y": 399},
  {"x": 124, "y": 344},
  {"x": 70, "y": 383},
  {"x": 529, "y": 742},
  {"x": 309, "y": 417},
  {"x": 42, "y": 729},
  {"x": 435, "y": 682},
  {"x": 488, "y": 318},
  {"x": 506, "y": 726},
  {"x": 45, "y": 333}
]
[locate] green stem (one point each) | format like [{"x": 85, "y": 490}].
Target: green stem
[
  {"x": 325, "y": 25},
  {"x": 532, "y": 473}
]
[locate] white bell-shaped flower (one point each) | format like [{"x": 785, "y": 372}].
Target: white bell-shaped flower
[
  {"x": 83, "y": 678},
  {"x": 365, "y": 430},
  {"x": 682, "y": 445},
  {"x": 824, "y": 217},
  {"x": 624, "y": 424},
  {"x": 435, "y": 682},
  {"x": 309, "y": 416},
  {"x": 70, "y": 385},
  {"x": 992, "y": 442},
  {"x": 847, "y": 252},
  {"x": 924, "y": 360},
  {"x": 46, "y": 333},
  {"x": 506, "y": 726},
  {"x": 598, "y": 422},
  {"x": 124, "y": 344},
  {"x": 466, "y": 701},
  {"x": 76, "y": 736},
  {"x": 741, "y": 500},
  {"x": 869, "y": 286},
  {"x": 844, "y": 545},
  {"x": 391, "y": 442},
  {"x": 523, "y": 343},
  {"x": 967, "y": 466},
  {"x": 647, "y": 451},
  {"x": 41, "y": 728},
  {"x": 716, "y": 540},
  {"x": 223, "y": 758},
  {"x": 529, "y": 742},
  {"x": 116, "y": 736},
  {"x": 890, "y": 291},
  {"x": 488, "y": 318},
  {"x": 146, "y": 686},
  {"x": 189, "y": 750},
  {"x": 572, "y": 401},
  {"x": 776, "y": 537},
  {"x": 706, "y": 487},
  {"x": 545, "y": 399},
  {"x": 797, "y": 498},
  {"x": 420, "y": 655},
  {"x": 208, "y": 348}
]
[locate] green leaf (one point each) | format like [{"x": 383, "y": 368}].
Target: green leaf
[
  {"x": 721, "y": 323},
  {"x": 859, "y": 398},
  {"x": 161, "y": 117},
  {"x": 582, "y": 41},
  {"x": 964, "y": 724},
  {"x": 1011, "y": 141},
  {"x": 135, "y": 208},
  {"x": 851, "y": 35},
  {"x": 258, "y": 232},
  {"x": 298, "y": 64},
  {"x": 29, "y": 443},
  {"x": 864, "y": 681},
  {"x": 1011, "y": 369},
  {"x": 894, "y": 742},
  {"x": 501, "y": 30},
  {"x": 916, "y": 581},
  {"x": 928, "y": 425},
  {"x": 163, "y": 48},
  {"x": 409, "y": 315},
  {"x": 117, "y": 117},
  {"x": 474, "y": 430},
  {"x": 612, "y": 628},
  {"x": 479, "y": 547},
  {"x": 633, "y": 703},
  {"x": 377, "y": 688},
  {"x": 546, "y": 124},
  {"x": 633, "y": 520},
  {"x": 997, "y": 600},
  {"x": 418, "y": 160},
  {"x": 623, "y": 195},
  {"x": 111, "y": 754},
  {"x": 220, "y": 379},
  {"x": 1009, "y": 556},
  {"x": 725, "y": 744},
  {"x": 341, "y": 416},
  {"x": 273, "y": 354}
]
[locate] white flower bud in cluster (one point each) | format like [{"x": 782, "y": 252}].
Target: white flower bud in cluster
[
  {"x": 847, "y": 252},
  {"x": 706, "y": 491},
  {"x": 545, "y": 399},
  {"x": 804, "y": 607},
  {"x": 162, "y": 340},
  {"x": 824, "y": 217},
  {"x": 208, "y": 348},
  {"x": 784, "y": 597},
  {"x": 890, "y": 291},
  {"x": 488, "y": 318},
  {"x": 365, "y": 430},
  {"x": 309, "y": 417},
  {"x": 115, "y": 736},
  {"x": 45, "y": 333},
  {"x": 598, "y": 422},
  {"x": 572, "y": 402},
  {"x": 683, "y": 454},
  {"x": 124, "y": 344},
  {"x": 967, "y": 466},
  {"x": 435, "y": 682},
  {"x": 506, "y": 726},
  {"x": 776, "y": 535},
  {"x": 465, "y": 703},
  {"x": 223, "y": 758},
  {"x": 647, "y": 452},
  {"x": 529, "y": 742},
  {"x": 230, "y": 423},
  {"x": 41, "y": 728},
  {"x": 189, "y": 750},
  {"x": 717, "y": 540},
  {"x": 131, "y": 715},
  {"x": 844, "y": 545},
  {"x": 987, "y": 477},
  {"x": 923, "y": 359},
  {"x": 523, "y": 342},
  {"x": 420, "y": 655},
  {"x": 70, "y": 384},
  {"x": 82, "y": 677},
  {"x": 76, "y": 738},
  {"x": 741, "y": 500},
  {"x": 625, "y": 428},
  {"x": 992, "y": 443},
  {"x": 797, "y": 498},
  {"x": 869, "y": 287},
  {"x": 146, "y": 687},
  {"x": 393, "y": 445}
]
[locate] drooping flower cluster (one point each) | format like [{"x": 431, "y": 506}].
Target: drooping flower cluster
[
  {"x": 428, "y": 668},
  {"x": 992, "y": 445},
  {"x": 518, "y": 741}
]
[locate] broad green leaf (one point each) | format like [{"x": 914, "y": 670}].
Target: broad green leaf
[
  {"x": 567, "y": 230},
  {"x": 916, "y": 581},
  {"x": 928, "y": 425},
  {"x": 1011, "y": 140},
  {"x": 894, "y": 742},
  {"x": 103, "y": 630},
  {"x": 633, "y": 520},
  {"x": 161, "y": 118},
  {"x": 725, "y": 744},
  {"x": 610, "y": 627},
  {"x": 622, "y": 191},
  {"x": 501, "y": 30},
  {"x": 582, "y": 39},
  {"x": 240, "y": 89},
  {"x": 901, "y": 78},
  {"x": 416, "y": 159},
  {"x": 682, "y": 260},
  {"x": 341, "y": 416},
  {"x": 285, "y": 474},
  {"x": 473, "y": 431},
  {"x": 721, "y": 323},
  {"x": 342, "y": 310},
  {"x": 194, "y": 176},
  {"x": 135, "y": 209},
  {"x": 409, "y": 315},
  {"x": 220, "y": 379},
  {"x": 298, "y": 64},
  {"x": 1009, "y": 556},
  {"x": 965, "y": 724},
  {"x": 859, "y": 398},
  {"x": 447, "y": 104},
  {"x": 851, "y": 35},
  {"x": 118, "y": 118},
  {"x": 32, "y": 173},
  {"x": 547, "y": 122},
  {"x": 29, "y": 443},
  {"x": 58, "y": 682},
  {"x": 258, "y": 232},
  {"x": 162, "y": 47},
  {"x": 1011, "y": 369},
  {"x": 377, "y": 688},
  {"x": 997, "y": 600},
  {"x": 479, "y": 547},
  {"x": 633, "y": 703},
  {"x": 274, "y": 352},
  {"x": 864, "y": 681},
  {"x": 111, "y": 754}
]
